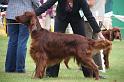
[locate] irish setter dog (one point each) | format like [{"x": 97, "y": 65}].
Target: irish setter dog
[
  {"x": 49, "y": 48},
  {"x": 110, "y": 34}
]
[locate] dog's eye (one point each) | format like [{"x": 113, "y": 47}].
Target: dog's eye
[
  {"x": 116, "y": 31},
  {"x": 27, "y": 14}
]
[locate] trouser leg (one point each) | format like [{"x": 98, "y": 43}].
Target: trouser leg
[
  {"x": 96, "y": 57},
  {"x": 10, "y": 63},
  {"x": 60, "y": 26},
  {"x": 22, "y": 48}
]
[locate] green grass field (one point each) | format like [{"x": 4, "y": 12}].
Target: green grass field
[{"x": 114, "y": 74}]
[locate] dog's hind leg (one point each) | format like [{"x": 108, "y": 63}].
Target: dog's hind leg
[
  {"x": 88, "y": 62},
  {"x": 66, "y": 61}
]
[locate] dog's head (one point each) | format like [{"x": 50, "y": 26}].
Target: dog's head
[
  {"x": 116, "y": 33},
  {"x": 28, "y": 18}
]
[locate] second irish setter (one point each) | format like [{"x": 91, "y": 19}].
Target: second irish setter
[
  {"x": 49, "y": 48},
  {"x": 111, "y": 35}
]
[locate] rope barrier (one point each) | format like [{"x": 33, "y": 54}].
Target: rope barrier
[
  {"x": 21, "y": 23},
  {"x": 11, "y": 23}
]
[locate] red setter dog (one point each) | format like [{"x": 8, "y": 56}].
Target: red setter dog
[
  {"x": 110, "y": 34},
  {"x": 49, "y": 48}
]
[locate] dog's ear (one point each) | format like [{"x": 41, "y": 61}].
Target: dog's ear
[
  {"x": 120, "y": 37},
  {"x": 32, "y": 24},
  {"x": 112, "y": 36}
]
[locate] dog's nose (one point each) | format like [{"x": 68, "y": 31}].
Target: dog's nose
[{"x": 117, "y": 37}]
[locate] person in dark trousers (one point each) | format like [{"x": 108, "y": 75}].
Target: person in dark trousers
[
  {"x": 68, "y": 12},
  {"x": 97, "y": 10}
]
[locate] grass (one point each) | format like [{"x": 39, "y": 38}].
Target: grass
[{"x": 114, "y": 74}]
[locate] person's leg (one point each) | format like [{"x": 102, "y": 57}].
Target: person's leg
[
  {"x": 88, "y": 33},
  {"x": 88, "y": 30},
  {"x": 60, "y": 26},
  {"x": 97, "y": 57},
  {"x": 53, "y": 71},
  {"x": 79, "y": 28},
  {"x": 22, "y": 47},
  {"x": 10, "y": 63}
]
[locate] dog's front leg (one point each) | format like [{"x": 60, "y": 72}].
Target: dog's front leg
[
  {"x": 94, "y": 67},
  {"x": 106, "y": 53},
  {"x": 40, "y": 68},
  {"x": 38, "y": 71},
  {"x": 88, "y": 62}
]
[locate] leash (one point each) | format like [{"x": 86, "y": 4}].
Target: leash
[
  {"x": 101, "y": 24},
  {"x": 13, "y": 23},
  {"x": 10, "y": 23}
]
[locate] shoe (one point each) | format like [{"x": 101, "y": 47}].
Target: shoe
[
  {"x": 20, "y": 71},
  {"x": 10, "y": 71},
  {"x": 51, "y": 76}
]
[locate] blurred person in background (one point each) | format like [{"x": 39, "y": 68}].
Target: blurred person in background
[{"x": 45, "y": 18}]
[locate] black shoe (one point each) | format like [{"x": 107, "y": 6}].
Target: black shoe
[
  {"x": 10, "y": 71},
  {"x": 51, "y": 76},
  {"x": 20, "y": 71}
]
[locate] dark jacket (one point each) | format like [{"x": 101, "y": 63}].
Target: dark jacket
[
  {"x": 62, "y": 14},
  {"x": 4, "y": 2}
]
